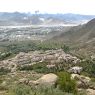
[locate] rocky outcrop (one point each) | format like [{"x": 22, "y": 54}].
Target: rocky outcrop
[
  {"x": 23, "y": 80},
  {"x": 93, "y": 57},
  {"x": 51, "y": 66},
  {"x": 82, "y": 81},
  {"x": 90, "y": 92},
  {"x": 52, "y": 57},
  {"x": 22, "y": 58}
]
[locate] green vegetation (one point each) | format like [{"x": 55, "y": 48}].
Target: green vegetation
[
  {"x": 39, "y": 68},
  {"x": 26, "y": 90},
  {"x": 10, "y": 48},
  {"x": 88, "y": 67},
  {"x": 66, "y": 84},
  {"x": 78, "y": 41},
  {"x": 5, "y": 55},
  {"x": 27, "y": 68},
  {"x": 66, "y": 48},
  {"x": 20, "y": 90},
  {"x": 4, "y": 71}
]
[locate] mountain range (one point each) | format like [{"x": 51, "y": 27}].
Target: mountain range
[{"x": 17, "y": 18}]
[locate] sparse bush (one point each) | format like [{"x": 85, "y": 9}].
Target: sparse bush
[
  {"x": 27, "y": 68},
  {"x": 4, "y": 55},
  {"x": 88, "y": 67},
  {"x": 40, "y": 68},
  {"x": 66, "y": 48},
  {"x": 20, "y": 90},
  {"x": 3, "y": 88},
  {"x": 4, "y": 71},
  {"x": 65, "y": 83},
  {"x": 26, "y": 90}
]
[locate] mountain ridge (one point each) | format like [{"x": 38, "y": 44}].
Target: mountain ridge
[
  {"x": 81, "y": 37},
  {"x": 17, "y": 18}
]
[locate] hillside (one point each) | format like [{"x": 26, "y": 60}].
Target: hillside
[
  {"x": 82, "y": 37},
  {"x": 46, "y": 60}
]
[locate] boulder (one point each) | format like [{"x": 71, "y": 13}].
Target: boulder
[
  {"x": 51, "y": 66},
  {"x": 24, "y": 80},
  {"x": 76, "y": 70},
  {"x": 46, "y": 80},
  {"x": 90, "y": 92},
  {"x": 93, "y": 57},
  {"x": 82, "y": 81},
  {"x": 4, "y": 83},
  {"x": 73, "y": 76}
]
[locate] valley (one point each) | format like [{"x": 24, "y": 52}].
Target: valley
[
  {"x": 21, "y": 33},
  {"x": 50, "y": 56}
]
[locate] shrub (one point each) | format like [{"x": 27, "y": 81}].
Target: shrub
[
  {"x": 3, "y": 88},
  {"x": 65, "y": 83},
  {"x": 5, "y": 55},
  {"x": 27, "y": 68},
  {"x": 88, "y": 67},
  {"x": 66, "y": 48},
  {"x": 4, "y": 71},
  {"x": 40, "y": 68},
  {"x": 49, "y": 91},
  {"x": 20, "y": 90}
]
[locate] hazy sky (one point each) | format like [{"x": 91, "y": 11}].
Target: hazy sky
[{"x": 49, "y": 6}]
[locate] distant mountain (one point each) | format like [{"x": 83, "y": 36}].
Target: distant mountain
[{"x": 17, "y": 18}]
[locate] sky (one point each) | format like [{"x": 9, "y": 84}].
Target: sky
[{"x": 86, "y": 7}]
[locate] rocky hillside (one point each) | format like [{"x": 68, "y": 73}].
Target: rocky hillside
[
  {"x": 80, "y": 33},
  {"x": 51, "y": 72},
  {"x": 82, "y": 37}
]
